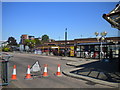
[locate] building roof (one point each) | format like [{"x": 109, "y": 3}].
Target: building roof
[{"x": 95, "y": 43}]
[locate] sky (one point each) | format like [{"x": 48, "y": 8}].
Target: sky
[{"x": 82, "y": 19}]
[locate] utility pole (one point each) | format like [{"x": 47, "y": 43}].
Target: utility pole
[{"x": 66, "y": 42}]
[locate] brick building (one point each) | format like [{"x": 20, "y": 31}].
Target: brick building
[{"x": 25, "y": 36}]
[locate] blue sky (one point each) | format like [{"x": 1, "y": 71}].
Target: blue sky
[{"x": 81, "y": 19}]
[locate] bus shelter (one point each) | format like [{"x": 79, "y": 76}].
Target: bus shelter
[{"x": 93, "y": 50}]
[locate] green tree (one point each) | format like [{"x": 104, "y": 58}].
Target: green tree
[
  {"x": 30, "y": 43},
  {"x": 27, "y": 42},
  {"x": 12, "y": 41},
  {"x": 45, "y": 38},
  {"x": 37, "y": 42}
]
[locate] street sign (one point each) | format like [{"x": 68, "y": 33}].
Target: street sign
[{"x": 35, "y": 67}]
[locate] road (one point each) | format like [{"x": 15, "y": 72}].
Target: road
[{"x": 22, "y": 60}]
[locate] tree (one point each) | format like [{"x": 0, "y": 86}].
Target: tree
[
  {"x": 27, "y": 42},
  {"x": 45, "y": 38},
  {"x": 12, "y": 41},
  {"x": 30, "y": 43},
  {"x": 37, "y": 41}
]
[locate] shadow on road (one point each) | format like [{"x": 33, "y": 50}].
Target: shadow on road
[{"x": 107, "y": 71}]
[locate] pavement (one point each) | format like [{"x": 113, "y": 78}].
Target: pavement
[{"x": 95, "y": 71}]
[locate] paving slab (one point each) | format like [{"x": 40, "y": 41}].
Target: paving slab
[
  {"x": 102, "y": 82},
  {"x": 81, "y": 71},
  {"x": 78, "y": 63}
]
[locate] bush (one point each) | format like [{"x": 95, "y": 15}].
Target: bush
[{"x": 6, "y": 49}]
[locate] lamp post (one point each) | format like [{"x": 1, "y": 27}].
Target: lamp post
[
  {"x": 66, "y": 42},
  {"x": 101, "y": 39}
]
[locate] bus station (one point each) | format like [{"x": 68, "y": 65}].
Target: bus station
[{"x": 81, "y": 47}]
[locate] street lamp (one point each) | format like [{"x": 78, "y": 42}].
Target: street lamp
[
  {"x": 101, "y": 39},
  {"x": 66, "y": 42}
]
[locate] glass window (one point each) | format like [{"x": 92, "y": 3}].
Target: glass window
[
  {"x": 82, "y": 48},
  {"x": 92, "y": 48},
  {"x": 97, "y": 48},
  {"x": 86, "y": 48}
]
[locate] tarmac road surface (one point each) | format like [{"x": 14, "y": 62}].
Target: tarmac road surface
[{"x": 22, "y": 60}]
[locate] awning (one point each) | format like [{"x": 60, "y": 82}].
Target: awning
[{"x": 95, "y": 43}]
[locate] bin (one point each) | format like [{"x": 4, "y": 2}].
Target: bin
[{"x": 4, "y": 69}]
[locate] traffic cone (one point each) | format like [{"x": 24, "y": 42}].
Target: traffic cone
[
  {"x": 45, "y": 74},
  {"x": 14, "y": 77},
  {"x": 58, "y": 73},
  {"x": 28, "y": 75}
]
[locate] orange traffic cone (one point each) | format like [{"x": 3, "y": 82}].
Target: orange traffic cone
[
  {"x": 58, "y": 73},
  {"x": 28, "y": 75},
  {"x": 45, "y": 74},
  {"x": 14, "y": 77}
]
